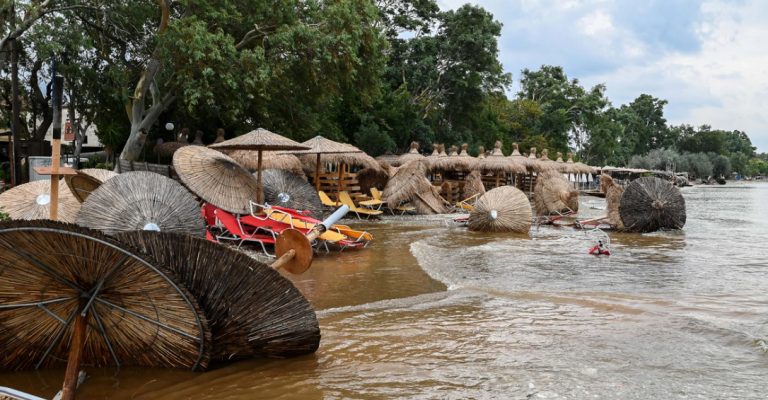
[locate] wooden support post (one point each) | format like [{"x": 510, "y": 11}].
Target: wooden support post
[
  {"x": 58, "y": 91},
  {"x": 259, "y": 191},
  {"x": 317, "y": 173},
  {"x": 75, "y": 357}
]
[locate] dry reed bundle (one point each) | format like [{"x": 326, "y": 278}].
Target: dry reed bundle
[
  {"x": 269, "y": 160},
  {"x": 141, "y": 200},
  {"x": 429, "y": 202},
  {"x": 370, "y": 177},
  {"x": 252, "y": 310},
  {"x": 140, "y": 315},
  {"x": 649, "y": 204},
  {"x": 613, "y": 193},
  {"x": 473, "y": 184},
  {"x": 284, "y": 189},
  {"x": 503, "y": 209},
  {"x": 216, "y": 178},
  {"x": 33, "y": 201},
  {"x": 553, "y": 194},
  {"x": 412, "y": 154},
  {"x": 410, "y": 180},
  {"x": 86, "y": 181}
]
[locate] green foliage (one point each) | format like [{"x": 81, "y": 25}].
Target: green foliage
[
  {"x": 4, "y": 215},
  {"x": 372, "y": 140}
]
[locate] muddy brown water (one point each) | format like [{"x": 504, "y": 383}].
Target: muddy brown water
[{"x": 433, "y": 311}]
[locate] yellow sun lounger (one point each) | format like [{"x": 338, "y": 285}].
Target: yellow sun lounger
[
  {"x": 327, "y": 200},
  {"x": 376, "y": 193},
  {"x": 468, "y": 203},
  {"x": 347, "y": 200},
  {"x": 329, "y": 235}
]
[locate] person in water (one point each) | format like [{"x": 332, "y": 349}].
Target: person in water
[{"x": 599, "y": 249}]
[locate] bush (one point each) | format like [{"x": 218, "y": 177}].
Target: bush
[{"x": 372, "y": 140}]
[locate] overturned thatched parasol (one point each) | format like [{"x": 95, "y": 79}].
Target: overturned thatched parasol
[
  {"x": 269, "y": 160},
  {"x": 32, "y": 200},
  {"x": 429, "y": 202},
  {"x": 503, "y": 209},
  {"x": 141, "y": 200},
  {"x": 86, "y": 181},
  {"x": 216, "y": 178},
  {"x": 412, "y": 154},
  {"x": 284, "y": 189},
  {"x": 373, "y": 177},
  {"x": 613, "y": 193},
  {"x": 473, "y": 184},
  {"x": 251, "y": 309},
  {"x": 66, "y": 288},
  {"x": 409, "y": 180},
  {"x": 553, "y": 194},
  {"x": 649, "y": 204}
]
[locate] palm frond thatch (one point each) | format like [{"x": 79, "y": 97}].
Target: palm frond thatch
[
  {"x": 252, "y": 310},
  {"x": 649, "y": 204},
  {"x": 216, "y": 178},
  {"x": 553, "y": 194},
  {"x": 141, "y": 315},
  {"x": 284, "y": 189},
  {"x": 32, "y": 200},
  {"x": 503, "y": 209},
  {"x": 141, "y": 200}
]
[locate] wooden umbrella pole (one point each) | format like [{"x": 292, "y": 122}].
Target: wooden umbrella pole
[
  {"x": 498, "y": 178},
  {"x": 340, "y": 186},
  {"x": 58, "y": 90},
  {"x": 75, "y": 356},
  {"x": 317, "y": 173},
  {"x": 294, "y": 250},
  {"x": 259, "y": 191}
]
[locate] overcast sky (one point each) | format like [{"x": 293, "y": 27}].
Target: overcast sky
[{"x": 709, "y": 59}]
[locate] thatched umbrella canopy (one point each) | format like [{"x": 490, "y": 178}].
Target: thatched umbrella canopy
[
  {"x": 331, "y": 152},
  {"x": 390, "y": 159},
  {"x": 409, "y": 180},
  {"x": 503, "y": 209},
  {"x": 251, "y": 309},
  {"x": 499, "y": 165},
  {"x": 579, "y": 167},
  {"x": 546, "y": 163},
  {"x": 613, "y": 193},
  {"x": 432, "y": 158},
  {"x": 32, "y": 200},
  {"x": 553, "y": 194},
  {"x": 565, "y": 167},
  {"x": 454, "y": 161},
  {"x": 86, "y": 181},
  {"x": 519, "y": 158},
  {"x": 284, "y": 189},
  {"x": 142, "y": 200},
  {"x": 198, "y": 138},
  {"x": 480, "y": 152},
  {"x": 168, "y": 148},
  {"x": 473, "y": 184},
  {"x": 429, "y": 202},
  {"x": 219, "y": 136},
  {"x": 216, "y": 178},
  {"x": 649, "y": 204},
  {"x": 412, "y": 154},
  {"x": 269, "y": 160},
  {"x": 65, "y": 287},
  {"x": 373, "y": 177},
  {"x": 259, "y": 140}
]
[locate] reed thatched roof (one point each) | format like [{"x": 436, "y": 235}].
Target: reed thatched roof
[
  {"x": 140, "y": 316},
  {"x": 141, "y": 200},
  {"x": 649, "y": 204},
  {"x": 454, "y": 161},
  {"x": 519, "y": 158},
  {"x": 553, "y": 194},
  {"x": 251, "y": 309},
  {"x": 503, "y": 209},
  {"x": 216, "y": 178},
  {"x": 473, "y": 184},
  {"x": 497, "y": 163},
  {"x": 390, "y": 159},
  {"x": 613, "y": 193},
  {"x": 284, "y": 189},
  {"x": 409, "y": 180},
  {"x": 412, "y": 154},
  {"x": 580, "y": 168},
  {"x": 259, "y": 139},
  {"x": 269, "y": 160},
  {"x": 321, "y": 145},
  {"x": 32, "y": 200}
]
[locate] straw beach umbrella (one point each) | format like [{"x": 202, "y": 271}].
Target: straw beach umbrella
[
  {"x": 33, "y": 201},
  {"x": 86, "y": 181},
  {"x": 412, "y": 154},
  {"x": 251, "y": 309},
  {"x": 649, "y": 204},
  {"x": 519, "y": 158},
  {"x": 259, "y": 140},
  {"x": 142, "y": 201},
  {"x": 335, "y": 152},
  {"x": 613, "y": 193},
  {"x": 410, "y": 179},
  {"x": 373, "y": 177},
  {"x": 284, "y": 189},
  {"x": 269, "y": 160},
  {"x": 67, "y": 291},
  {"x": 473, "y": 184},
  {"x": 553, "y": 194},
  {"x": 503, "y": 209},
  {"x": 499, "y": 165},
  {"x": 215, "y": 178},
  {"x": 167, "y": 149}
]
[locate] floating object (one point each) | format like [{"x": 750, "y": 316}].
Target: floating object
[
  {"x": 73, "y": 295},
  {"x": 251, "y": 309},
  {"x": 553, "y": 194},
  {"x": 216, "y": 178},
  {"x": 602, "y": 242},
  {"x": 284, "y": 189},
  {"x": 649, "y": 204},
  {"x": 86, "y": 181},
  {"x": 142, "y": 201},
  {"x": 503, "y": 209},
  {"x": 33, "y": 200}
]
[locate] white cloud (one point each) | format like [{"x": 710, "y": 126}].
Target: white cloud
[{"x": 598, "y": 23}]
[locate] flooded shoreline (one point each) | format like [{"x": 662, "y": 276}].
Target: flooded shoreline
[{"x": 431, "y": 310}]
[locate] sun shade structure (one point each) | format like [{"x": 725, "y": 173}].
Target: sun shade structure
[
  {"x": 649, "y": 204},
  {"x": 456, "y": 161},
  {"x": 613, "y": 193},
  {"x": 497, "y": 163},
  {"x": 553, "y": 194},
  {"x": 142, "y": 201},
  {"x": 216, "y": 178},
  {"x": 473, "y": 184},
  {"x": 518, "y": 158},
  {"x": 251, "y": 309},
  {"x": 167, "y": 149},
  {"x": 503, "y": 209},
  {"x": 284, "y": 189},
  {"x": 86, "y": 181},
  {"x": 373, "y": 177},
  {"x": 258, "y": 140},
  {"x": 269, "y": 160},
  {"x": 334, "y": 152},
  {"x": 412, "y": 154},
  {"x": 410, "y": 184},
  {"x": 33, "y": 201},
  {"x": 64, "y": 287}
]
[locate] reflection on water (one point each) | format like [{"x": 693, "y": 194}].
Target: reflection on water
[{"x": 435, "y": 311}]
